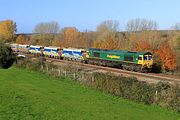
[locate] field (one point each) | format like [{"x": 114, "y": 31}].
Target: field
[{"x": 27, "y": 95}]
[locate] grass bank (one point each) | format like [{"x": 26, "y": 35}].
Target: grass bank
[{"x": 31, "y": 95}]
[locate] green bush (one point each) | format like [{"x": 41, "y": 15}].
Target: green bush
[
  {"x": 126, "y": 87},
  {"x": 7, "y": 57},
  {"x": 168, "y": 96}
]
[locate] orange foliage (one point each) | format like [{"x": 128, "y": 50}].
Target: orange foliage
[
  {"x": 97, "y": 44},
  {"x": 22, "y": 39},
  {"x": 71, "y": 35},
  {"x": 72, "y": 38},
  {"x": 167, "y": 56},
  {"x": 142, "y": 46},
  {"x": 110, "y": 44},
  {"x": 7, "y": 30}
]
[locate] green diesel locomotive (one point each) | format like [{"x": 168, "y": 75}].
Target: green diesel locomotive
[{"x": 134, "y": 61}]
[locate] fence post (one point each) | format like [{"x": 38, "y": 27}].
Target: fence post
[
  {"x": 59, "y": 72},
  {"x": 65, "y": 74},
  {"x": 41, "y": 67},
  {"x": 47, "y": 68},
  {"x": 82, "y": 76},
  {"x": 156, "y": 95},
  {"x": 74, "y": 75},
  {"x": 92, "y": 78}
]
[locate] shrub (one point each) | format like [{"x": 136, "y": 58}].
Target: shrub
[
  {"x": 168, "y": 96},
  {"x": 126, "y": 87},
  {"x": 7, "y": 57}
]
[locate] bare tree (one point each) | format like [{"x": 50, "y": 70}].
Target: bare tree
[
  {"x": 90, "y": 37},
  {"x": 46, "y": 32},
  {"x": 107, "y": 31},
  {"x": 108, "y": 25},
  {"x": 141, "y": 25},
  {"x": 47, "y": 27},
  {"x": 176, "y": 26}
]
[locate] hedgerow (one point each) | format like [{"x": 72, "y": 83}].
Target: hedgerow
[{"x": 162, "y": 93}]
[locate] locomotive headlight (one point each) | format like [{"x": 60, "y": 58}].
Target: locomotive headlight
[{"x": 87, "y": 56}]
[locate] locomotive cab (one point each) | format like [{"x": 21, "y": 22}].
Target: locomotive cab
[
  {"x": 146, "y": 60},
  {"x": 85, "y": 54}
]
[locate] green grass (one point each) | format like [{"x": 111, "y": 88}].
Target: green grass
[{"x": 26, "y": 95}]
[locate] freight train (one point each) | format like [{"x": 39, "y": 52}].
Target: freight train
[{"x": 128, "y": 60}]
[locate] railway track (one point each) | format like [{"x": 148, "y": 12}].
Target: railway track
[{"x": 147, "y": 77}]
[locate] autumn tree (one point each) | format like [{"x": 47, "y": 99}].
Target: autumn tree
[
  {"x": 173, "y": 39},
  {"x": 174, "y": 34},
  {"x": 142, "y": 46},
  {"x": 177, "y": 43},
  {"x": 167, "y": 56},
  {"x": 142, "y": 33},
  {"x": 71, "y": 37},
  {"x": 71, "y": 34},
  {"x": 22, "y": 39},
  {"x": 110, "y": 44},
  {"x": 89, "y": 38},
  {"x": 57, "y": 40},
  {"x": 107, "y": 33},
  {"x": 146, "y": 40},
  {"x": 7, "y": 30},
  {"x": 41, "y": 39},
  {"x": 178, "y": 59},
  {"x": 44, "y": 33},
  {"x": 108, "y": 25},
  {"x": 47, "y": 27}
]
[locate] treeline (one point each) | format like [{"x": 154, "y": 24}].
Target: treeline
[{"x": 140, "y": 35}]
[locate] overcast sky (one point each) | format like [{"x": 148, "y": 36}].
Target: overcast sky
[{"x": 87, "y": 14}]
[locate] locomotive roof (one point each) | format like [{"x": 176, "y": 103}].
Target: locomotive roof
[
  {"x": 72, "y": 49},
  {"x": 51, "y": 47},
  {"x": 119, "y": 51},
  {"x": 33, "y": 46},
  {"x": 23, "y": 45}
]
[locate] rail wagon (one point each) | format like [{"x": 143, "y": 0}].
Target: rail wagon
[
  {"x": 74, "y": 54},
  {"x": 136, "y": 61},
  {"x": 35, "y": 49},
  {"x": 52, "y": 52},
  {"x": 23, "y": 48}
]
